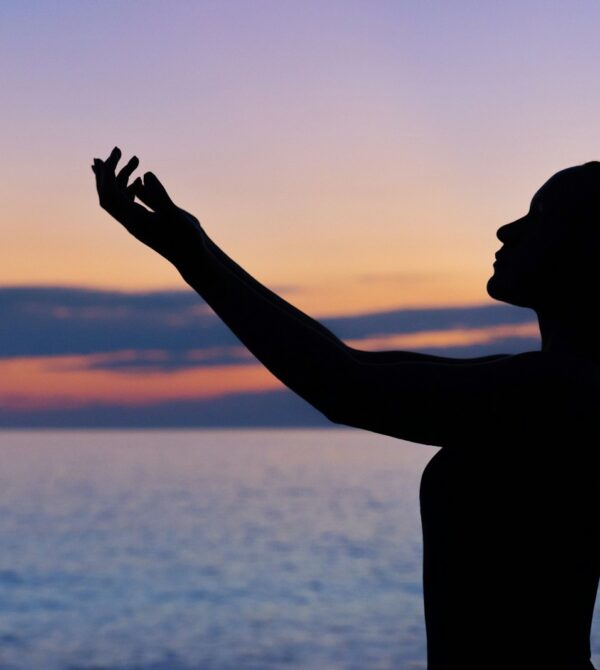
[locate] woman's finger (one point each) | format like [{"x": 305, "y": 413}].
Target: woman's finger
[
  {"x": 98, "y": 168},
  {"x": 111, "y": 198},
  {"x": 133, "y": 188},
  {"x": 125, "y": 173},
  {"x": 142, "y": 194},
  {"x": 111, "y": 162},
  {"x": 157, "y": 193}
]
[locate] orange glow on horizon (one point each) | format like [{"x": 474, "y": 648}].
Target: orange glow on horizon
[
  {"x": 67, "y": 381},
  {"x": 64, "y": 381},
  {"x": 456, "y": 337}
]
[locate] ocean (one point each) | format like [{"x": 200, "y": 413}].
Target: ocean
[{"x": 212, "y": 550}]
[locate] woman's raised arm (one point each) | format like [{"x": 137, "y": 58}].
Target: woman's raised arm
[
  {"x": 299, "y": 351},
  {"x": 413, "y": 396}
]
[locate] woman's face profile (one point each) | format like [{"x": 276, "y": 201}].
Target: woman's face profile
[{"x": 541, "y": 262}]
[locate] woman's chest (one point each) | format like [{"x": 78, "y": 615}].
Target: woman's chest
[{"x": 535, "y": 499}]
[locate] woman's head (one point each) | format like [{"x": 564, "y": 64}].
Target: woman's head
[{"x": 549, "y": 256}]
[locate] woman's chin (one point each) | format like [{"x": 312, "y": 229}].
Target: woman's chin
[
  {"x": 505, "y": 292},
  {"x": 493, "y": 287},
  {"x": 498, "y": 289}
]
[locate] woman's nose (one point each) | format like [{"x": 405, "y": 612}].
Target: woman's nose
[
  {"x": 508, "y": 232},
  {"x": 500, "y": 233}
]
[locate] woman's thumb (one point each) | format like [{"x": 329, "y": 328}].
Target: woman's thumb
[{"x": 155, "y": 194}]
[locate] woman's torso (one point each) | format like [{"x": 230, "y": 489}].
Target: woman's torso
[{"x": 511, "y": 558}]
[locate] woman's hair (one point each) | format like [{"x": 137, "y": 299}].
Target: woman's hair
[
  {"x": 589, "y": 176},
  {"x": 579, "y": 207},
  {"x": 579, "y": 189}
]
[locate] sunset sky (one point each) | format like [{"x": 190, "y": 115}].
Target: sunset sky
[{"x": 355, "y": 157}]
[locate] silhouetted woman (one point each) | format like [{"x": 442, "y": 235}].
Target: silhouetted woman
[{"x": 509, "y": 505}]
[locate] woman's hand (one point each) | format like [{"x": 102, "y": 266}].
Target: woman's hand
[{"x": 164, "y": 227}]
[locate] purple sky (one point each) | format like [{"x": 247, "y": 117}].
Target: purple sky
[
  {"x": 316, "y": 141},
  {"x": 356, "y": 157}
]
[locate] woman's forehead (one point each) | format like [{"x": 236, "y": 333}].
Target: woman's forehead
[{"x": 563, "y": 185}]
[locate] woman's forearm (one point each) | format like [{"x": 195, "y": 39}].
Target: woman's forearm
[
  {"x": 269, "y": 295},
  {"x": 300, "y": 352},
  {"x": 303, "y": 354}
]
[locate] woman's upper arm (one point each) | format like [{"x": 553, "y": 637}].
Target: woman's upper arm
[
  {"x": 443, "y": 404},
  {"x": 390, "y": 357}
]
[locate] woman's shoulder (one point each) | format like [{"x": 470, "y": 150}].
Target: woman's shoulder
[
  {"x": 577, "y": 380},
  {"x": 550, "y": 392},
  {"x": 582, "y": 371},
  {"x": 569, "y": 365}
]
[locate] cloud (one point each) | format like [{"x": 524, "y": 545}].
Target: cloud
[
  {"x": 39, "y": 321},
  {"x": 161, "y": 360},
  {"x": 72, "y": 357},
  {"x": 270, "y": 408},
  {"x": 415, "y": 320},
  {"x": 450, "y": 338},
  {"x": 46, "y": 321}
]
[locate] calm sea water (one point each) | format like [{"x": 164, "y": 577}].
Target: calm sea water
[{"x": 211, "y": 550}]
